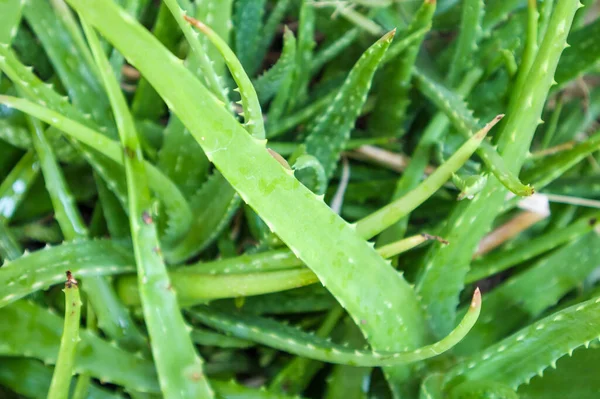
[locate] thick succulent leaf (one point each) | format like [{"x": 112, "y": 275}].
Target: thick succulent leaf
[
  {"x": 574, "y": 376},
  {"x": 289, "y": 339},
  {"x": 444, "y": 268},
  {"x": 326, "y": 140},
  {"x": 269, "y": 83},
  {"x": 248, "y": 23},
  {"x": 179, "y": 367},
  {"x": 518, "y": 358},
  {"x": 10, "y": 17},
  {"x": 582, "y": 55},
  {"x": 526, "y": 295}
]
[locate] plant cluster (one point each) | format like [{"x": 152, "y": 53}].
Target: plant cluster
[{"x": 297, "y": 198}]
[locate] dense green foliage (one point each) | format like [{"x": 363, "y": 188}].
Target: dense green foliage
[{"x": 297, "y": 198}]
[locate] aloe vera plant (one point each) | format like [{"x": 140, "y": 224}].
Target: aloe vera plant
[{"x": 295, "y": 194}]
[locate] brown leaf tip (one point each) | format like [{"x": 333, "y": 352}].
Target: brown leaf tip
[
  {"x": 70, "y": 280},
  {"x": 194, "y": 22},
  {"x": 436, "y": 238},
  {"x": 476, "y": 301}
]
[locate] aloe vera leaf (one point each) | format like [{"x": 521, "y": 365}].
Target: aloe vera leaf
[
  {"x": 134, "y": 8},
  {"x": 505, "y": 258},
  {"x": 311, "y": 173},
  {"x": 103, "y": 258},
  {"x": 516, "y": 359},
  {"x": 262, "y": 261},
  {"x": 325, "y": 141},
  {"x": 454, "y": 107},
  {"x": 279, "y": 105},
  {"x": 10, "y": 12},
  {"x": 389, "y": 114},
  {"x": 94, "y": 355},
  {"x": 545, "y": 13},
  {"x": 280, "y": 259},
  {"x": 70, "y": 24},
  {"x": 71, "y": 65},
  {"x": 182, "y": 159},
  {"x": 14, "y": 187},
  {"x": 297, "y": 374},
  {"x": 529, "y": 53},
  {"x": 164, "y": 188},
  {"x": 205, "y": 337},
  {"x": 529, "y": 293},
  {"x": 114, "y": 215},
  {"x": 470, "y": 221},
  {"x": 61, "y": 379},
  {"x": 35, "y": 89},
  {"x": 146, "y": 103},
  {"x": 415, "y": 170},
  {"x": 67, "y": 215},
  {"x": 553, "y": 123},
  {"x": 252, "y": 112},
  {"x": 114, "y": 319},
  {"x": 86, "y": 258},
  {"x": 9, "y": 247},
  {"x": 282, "y": 189},
  {"x": 84, "y": 381},
  {"x": 334, "y": 49},
  {"x": 244, "y": 276},
  {"x": 217, "y": 15},
  {"x": 270, "y": 27},
  {"x": 289, "y": 339},
  {"x": 574, "y": 375},
  {"x": 304, "y": 53},
  {"x": 18, "y": 136},
  {"x": 200, "y": 64},
  {"x": 269, "y": 83},
  {"x": 248, "y": 23},
  {"x": 552, "y": 167},
  {"x": 385, "y": 217},
  {"x": 213, "y": 207},
  {"x": 583, "y": 54},
  {"x": 31, "y": 378},
  {"x": 576, "y": 186},
  {"x": 469, "y": 35},
  {"x": 195, "y": 288},
  {"x": 180, "y": 370}
]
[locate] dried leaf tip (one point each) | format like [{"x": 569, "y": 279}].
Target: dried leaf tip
[
  {"x": 476, "y": 301},
  {"x": 194, "y": 22},
  {"x": 436, "y": 238},
  {"x": 488, "y": 126},
  {"x": 70, "y": 280},
  {"x": 389, "y": 36}
]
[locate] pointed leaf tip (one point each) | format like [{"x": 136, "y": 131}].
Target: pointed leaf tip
[
  {"x": 197, "y": 24},
  {"x": 390, "y": 35},
  {"x": 476, "y": 301}
]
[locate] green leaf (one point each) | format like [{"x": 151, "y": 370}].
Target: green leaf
[
  {"x": 61, "y": 379},
  {"x": 10, "y": 18},
  {"x": 270, "y": 82},
  {"x": 289, "y": 339},
  {"x": 326, "y": 140},
  {"x": 179, "y": 367},
  {"x": 518, "y": 358}
]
